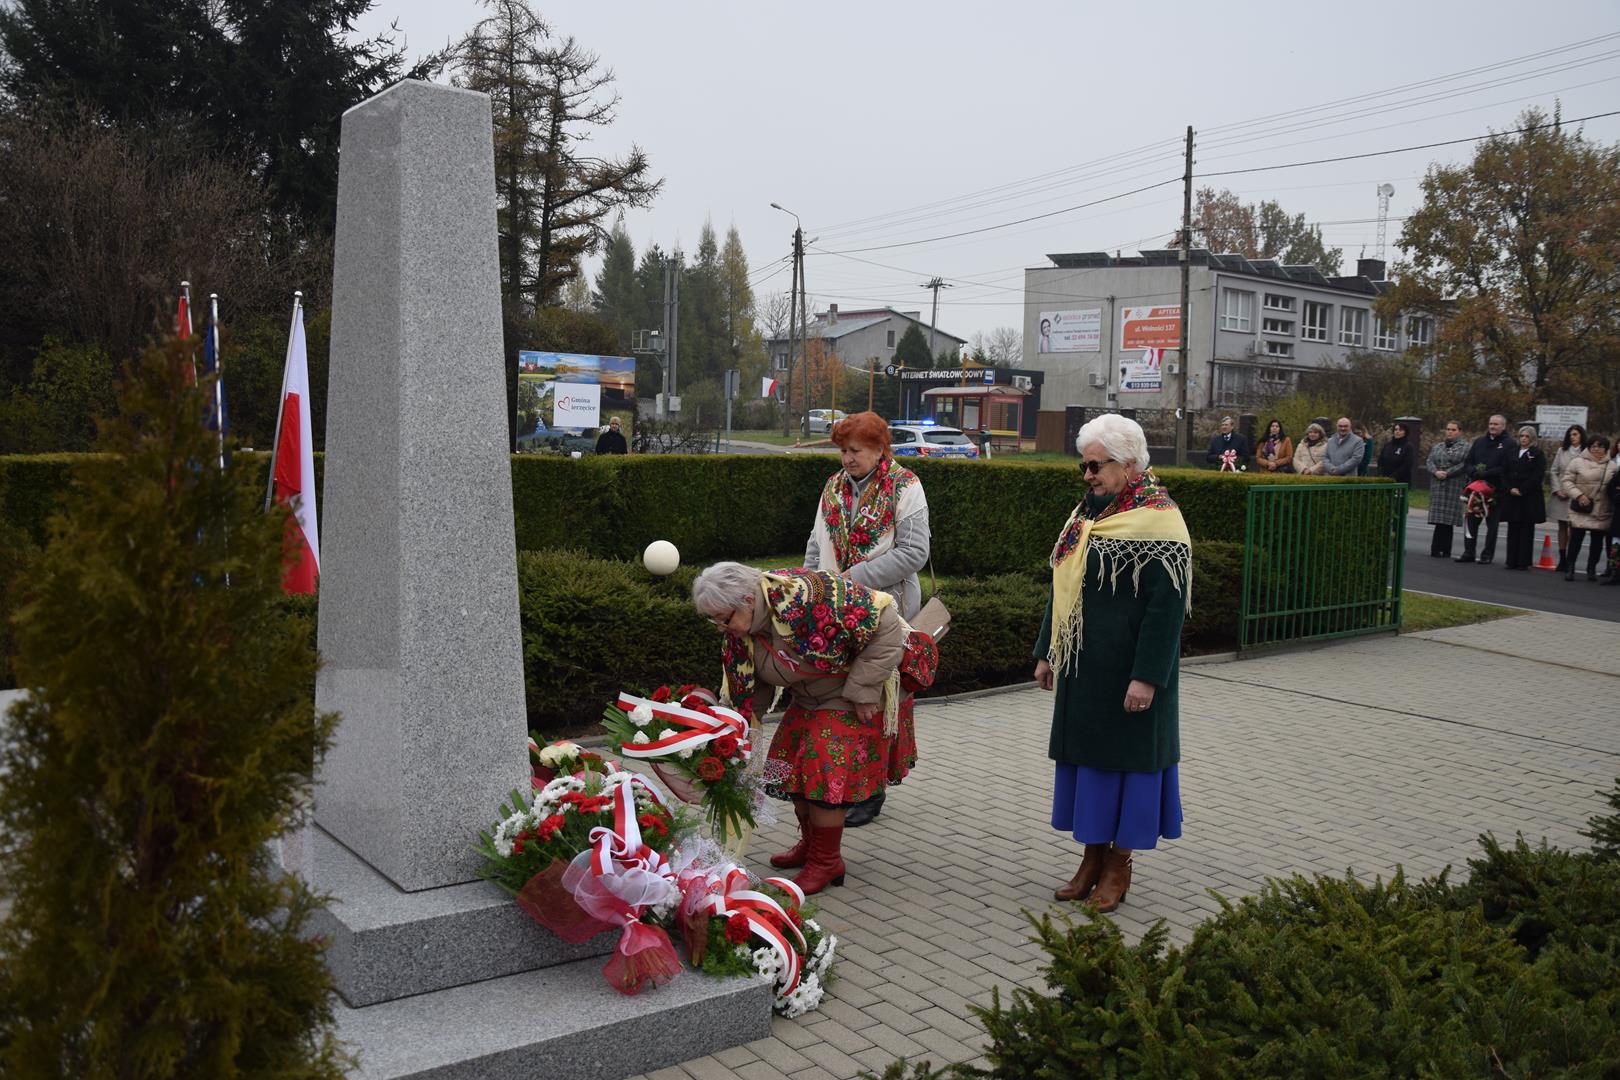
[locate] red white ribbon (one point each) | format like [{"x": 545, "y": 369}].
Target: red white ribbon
[
  {"x": 696, "y": 728},
  {"x": 725, "y": 891},
  {"x": 1229, "y": 461}
]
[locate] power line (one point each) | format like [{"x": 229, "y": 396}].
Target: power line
[{"x": 1403, "y": 149}]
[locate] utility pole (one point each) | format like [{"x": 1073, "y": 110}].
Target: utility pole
[
  {"x": 936, "y": 284},
  {"x": 804, "y": 318},
  {"x": 672, "y": 322},
  {"x": 793, "y": 318},
  {"x": 1186, "y": 282}
]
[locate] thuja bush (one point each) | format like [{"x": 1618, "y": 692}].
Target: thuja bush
[
  {"x": 169, "y": 737},
  {"x": 1512, "y": 971}
]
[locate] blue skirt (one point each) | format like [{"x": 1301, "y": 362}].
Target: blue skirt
[{"x": 1130, "y": 809}]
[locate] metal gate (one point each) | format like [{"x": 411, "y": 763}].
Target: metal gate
[{"x": 1322, "y": 561}]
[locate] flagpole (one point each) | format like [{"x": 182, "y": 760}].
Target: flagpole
[
  {"x": 219, "y": 375},
  {"x": 275, "y": 443}
]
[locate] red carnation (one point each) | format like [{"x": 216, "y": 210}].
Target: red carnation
[
  {"x": 517, "y": 847},
  {"x": 653, "y": 821},
  {"x": 551, "y": 826},
  {"x": 686, "y": 689},
  {"x": 661, "y": 694},
  {"x": 737, "y": 930},
  {"x": 726, "y": 746},
  {"x": 711, "y": 769},
  {"x": 695, "y": 703}
]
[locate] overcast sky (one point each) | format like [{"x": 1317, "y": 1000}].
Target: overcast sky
[{"x": 890, "y": 123}]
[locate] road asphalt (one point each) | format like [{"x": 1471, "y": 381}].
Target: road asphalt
[{"x": 1534, "y": 590}]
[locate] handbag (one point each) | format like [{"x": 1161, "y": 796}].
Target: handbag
[{"x": 1582, "y": 504}]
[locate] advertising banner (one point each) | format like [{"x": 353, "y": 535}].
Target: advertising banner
[
  {"x": 1140, "y": 374},
  {"x": 1149, "y": 328},
  {"x": 567, "y": 393},
  {"x": 1079, "y": 330}
]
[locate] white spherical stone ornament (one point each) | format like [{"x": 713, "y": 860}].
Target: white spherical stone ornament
[{"x": 661, "y": 558}]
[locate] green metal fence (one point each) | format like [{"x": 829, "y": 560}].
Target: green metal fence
[{"x": 1322, "y": 561}]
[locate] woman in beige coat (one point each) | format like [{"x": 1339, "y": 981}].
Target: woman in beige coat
[
  {"x": 1309, "y": 457},
  {"x": 1584, "y": 485}
]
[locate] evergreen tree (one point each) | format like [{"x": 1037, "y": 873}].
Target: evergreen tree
[
  {"x": 170, "y": 738},
  {"x": 547, "y": 94},
  {"x": 911, "y": 351},
  {"x": 738, "y": 299},
  {"x": 650, "y": 286},
  {"x": 267, "y": 83},
  {"x": 705, "y": 341},
  {"x": 618, "y": 289}
]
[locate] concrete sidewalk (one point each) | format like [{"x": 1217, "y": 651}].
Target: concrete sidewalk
[{"x": 1364, "y": 755}]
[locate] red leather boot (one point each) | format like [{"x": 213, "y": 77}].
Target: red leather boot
[
  {"x": 798, "y": 853},
  {"x": 825, "y": 865}
]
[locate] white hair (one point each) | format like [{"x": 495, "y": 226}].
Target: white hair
[
  {"x": 1530, "y": 430},
  {"x": 724, "y": 587},
  {"x": 1121, "y": 436}
]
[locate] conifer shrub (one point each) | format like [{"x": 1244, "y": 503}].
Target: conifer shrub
[
  {"x": 1513, "y": 971},
  {"x": 170, "y": 738}
]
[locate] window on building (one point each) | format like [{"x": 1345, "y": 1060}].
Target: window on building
[
  {"x": 1237, "y": 309},
  {"x": 1277, "y": 326},
  {"x": 1318, "y": 317},
  {"x": 1353, "y": 326},
  {"x": 890, "y": 342},
  {"x": 1279, "y": 302},
  {"x": 1280, "y": 348},
  {"x": 781, "y": 361},
  {"x": 1419, "y": 330},
  {"x": 1383, "y": 333}
]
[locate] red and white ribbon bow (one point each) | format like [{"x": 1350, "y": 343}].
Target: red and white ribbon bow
[
  {"x": 696, "y": 728},
  {"x": 1229, "y": 461},
  {"x": 726, "y": 891}
]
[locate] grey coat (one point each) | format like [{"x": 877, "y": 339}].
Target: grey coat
[
  {"x": 1445, "y": 496},
  {"x": 1343, "y": 455}
]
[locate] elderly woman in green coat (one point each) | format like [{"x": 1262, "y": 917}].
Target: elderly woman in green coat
[{"x": 1110, "y": 645}]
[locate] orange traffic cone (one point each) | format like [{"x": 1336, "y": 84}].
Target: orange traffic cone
[{"x": 1546, "y": 562}]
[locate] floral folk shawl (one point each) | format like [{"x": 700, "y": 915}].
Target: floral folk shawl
[
  {"x": 851, "y": 529},
  {"x": 826, "y": 620},
  {"x": 1142, "y": 525}
]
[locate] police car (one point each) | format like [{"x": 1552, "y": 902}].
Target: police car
[{"x": 928, "y": 440}]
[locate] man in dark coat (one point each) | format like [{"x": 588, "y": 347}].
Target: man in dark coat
[
  {"x": 1487, "y": 459},
  {"x": 1228, "y": 440},
  {"x": 611, "y": 441},
  {"x": 1520, "y": 501}
]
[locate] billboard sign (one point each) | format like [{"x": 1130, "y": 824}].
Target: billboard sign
[
  {"x": 1554, "y": 420},
  {"x": 567, "y": 393},
  {"x": 1150, "y": 328},
  {"x": 1140, "y": 374},
  {"x": 1077, "y": 330}
]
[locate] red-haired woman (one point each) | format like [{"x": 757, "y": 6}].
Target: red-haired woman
[{"x": 872, "y": 527}]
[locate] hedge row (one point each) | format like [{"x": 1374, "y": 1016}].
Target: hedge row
[
  {"x": 592, "y": 627},
  {"x": 987, "y": 517}
]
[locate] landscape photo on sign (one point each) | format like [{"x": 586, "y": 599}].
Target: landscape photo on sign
[{"x": 566, "y": 393}]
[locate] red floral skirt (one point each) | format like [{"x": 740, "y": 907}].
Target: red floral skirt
[{"x": 828, "y": 756}]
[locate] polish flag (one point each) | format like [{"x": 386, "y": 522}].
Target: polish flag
[
  {"x": 292, "y": 476},
  {"x": 767, "y": 387},
  {"x": 182, "y": 329},
  {"x": 1152, "y": 357}
]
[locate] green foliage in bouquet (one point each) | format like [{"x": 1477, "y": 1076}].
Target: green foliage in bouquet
[
  {"x": 715, "y": 774},
  {"x": 556, "y": 823},
  {"x": 1514, "y": 971},
  {"x": 170, "y": 737}
]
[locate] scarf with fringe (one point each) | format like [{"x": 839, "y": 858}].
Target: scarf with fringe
[{"x": 1141, "y": 526}]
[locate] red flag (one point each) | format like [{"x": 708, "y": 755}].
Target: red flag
[
  {"x": 182, "y": 329},
  {"x": 293, "y": 472}
]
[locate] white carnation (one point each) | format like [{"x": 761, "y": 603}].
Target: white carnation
[
  {"x": 554, "y": 755},
  {"x": 641, "y": 739},
  {"x": 684, "y": 752},
  {"x": 641, "y": 715}
]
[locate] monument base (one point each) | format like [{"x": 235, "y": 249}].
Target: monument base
[
  {"x": 457, "y": 982},
  {"x": 563, "y": 1021}
]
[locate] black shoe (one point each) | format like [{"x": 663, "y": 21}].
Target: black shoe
[
  {"x": 1569, "y": 575},
  {"x": 863, "y": 813},
  {"x": 1464, "y": 558},
  {"x": 1484, "y": 562},
  {"x": 1611, "y": 581}
]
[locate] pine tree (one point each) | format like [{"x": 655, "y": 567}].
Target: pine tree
[
  {"x": 170, "y": 739},
  {"x": 650, "y": 280},
  {"x": 618, "y": 289}
]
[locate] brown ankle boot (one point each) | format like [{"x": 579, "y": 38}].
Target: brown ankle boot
[
  {"x": 1115, "y": 882},
  {"x": 796, "y": 855},
  {"x": 825, "y": 865},
  {"x": 1085, "y": 878}
]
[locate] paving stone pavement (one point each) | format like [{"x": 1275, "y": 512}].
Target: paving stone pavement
[{"x": 1365, "y": 755}]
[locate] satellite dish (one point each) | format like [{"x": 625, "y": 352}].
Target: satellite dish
[{"x": 1386, "y": 190}]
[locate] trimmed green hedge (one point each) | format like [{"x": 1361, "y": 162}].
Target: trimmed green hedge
[{"x": 987, "y": 517}]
